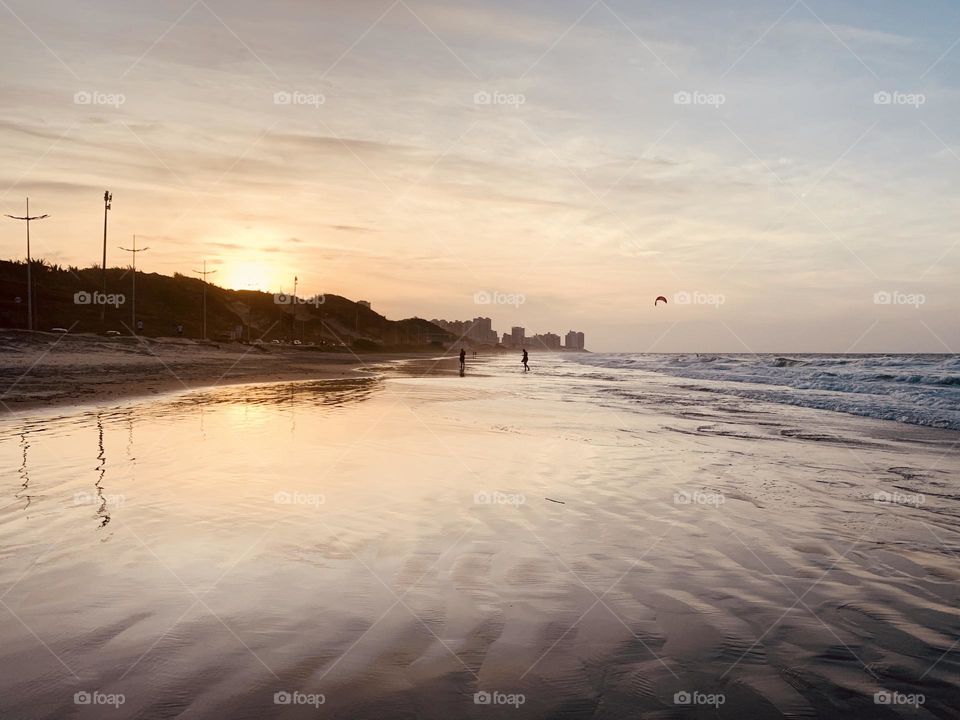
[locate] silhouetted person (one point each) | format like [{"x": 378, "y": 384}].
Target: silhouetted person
[
  {"x": 463, "y": 360},
  {"x": 526, "y": 358}
]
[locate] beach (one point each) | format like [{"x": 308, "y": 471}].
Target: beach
[
  {"x": 48, "y": 370},
  {"x": 582, "y": 541}
]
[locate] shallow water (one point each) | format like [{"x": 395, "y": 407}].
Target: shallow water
[
  {"x": 587, "y": 542},
  {"x": 916, "y": 389}
]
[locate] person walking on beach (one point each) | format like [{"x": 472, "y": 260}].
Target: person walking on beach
[
  {"x": 524, "y": 361},
  {"x": 463, "y": 360}
]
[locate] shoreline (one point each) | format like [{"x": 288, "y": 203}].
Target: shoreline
[{"x": 75, "y": 371}]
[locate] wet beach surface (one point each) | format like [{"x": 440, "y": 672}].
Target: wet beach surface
[{"x": 498, "y": 545}]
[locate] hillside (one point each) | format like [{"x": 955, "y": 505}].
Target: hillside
[{"x": 63, "y": 297}]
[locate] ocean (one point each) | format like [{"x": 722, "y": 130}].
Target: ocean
[{"x": 916, "y": 389}]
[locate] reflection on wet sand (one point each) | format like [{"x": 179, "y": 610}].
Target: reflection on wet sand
[
  {"x": 101, "y": 471},
  {"x": 22, "y": 493},
  {"x": 304, "y": 393}
]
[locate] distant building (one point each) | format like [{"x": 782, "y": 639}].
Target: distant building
[
  {"x": 479, "y": 330},
  {"x": 365, "y": 303},
  {"x": 507, "y": 341},
  {"x": 550, "y": 341},
  {"x": 574, "y": 341},
  {"x": 517, "y": 336}
]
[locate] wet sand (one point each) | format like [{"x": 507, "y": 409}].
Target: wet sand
[
  {"x": 47, "y": 370},
  {"x": 420, "y": 545}
]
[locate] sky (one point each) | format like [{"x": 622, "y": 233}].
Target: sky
[{"x": 784, "y": 173}]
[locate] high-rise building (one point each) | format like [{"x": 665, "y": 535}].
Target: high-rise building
[
  {"x": 482, "y": 331},
  {"x": 550, "y": 341},
  {"x": 574, "y": 340},
  {"x": 517, "y": 336},
  {"x": 479, "y": 330}
]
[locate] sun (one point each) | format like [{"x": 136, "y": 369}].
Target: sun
[{"x": 245, "y": 275}]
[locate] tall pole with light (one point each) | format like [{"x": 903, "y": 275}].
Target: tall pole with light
[
  {"x": 107, "y": 205},
  {"x": 204, "y": 272},
  {"x": 293, "y": 310},
  {"x": 134, "y": 252},
  {"x": 27, "y": 218}
]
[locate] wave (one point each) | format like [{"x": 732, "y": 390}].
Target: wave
[{"x": 916, "y": 389}]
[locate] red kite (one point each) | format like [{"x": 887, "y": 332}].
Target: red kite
[{"x": 659, "y": 298}]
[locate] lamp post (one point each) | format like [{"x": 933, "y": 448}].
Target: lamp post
[
  {"x": 27, "y": 218},
  {"x": 204, "y": 272},
  {"x": 134, "y": 252},
  {"x": 107, "y": 204},
  {"x": 293, "y": 310}
]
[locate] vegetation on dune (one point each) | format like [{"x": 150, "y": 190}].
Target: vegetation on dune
[{"x": 72, "y": 298}]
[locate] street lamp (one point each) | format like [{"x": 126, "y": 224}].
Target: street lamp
[
  {"x": 134, "y": 251},
  {"x": 27, "y": 218}
]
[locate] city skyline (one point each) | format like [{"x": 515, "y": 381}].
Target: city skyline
[{"x": 480, "y": 330}]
